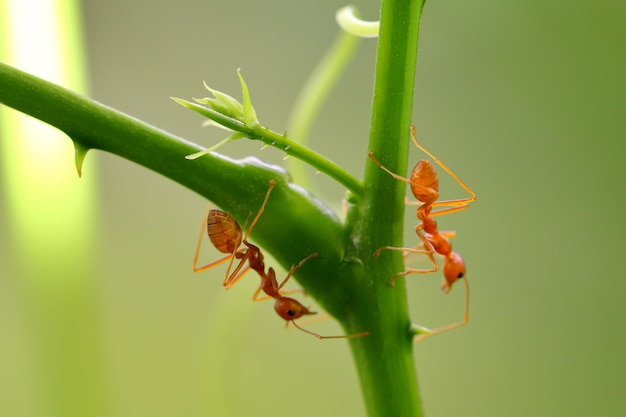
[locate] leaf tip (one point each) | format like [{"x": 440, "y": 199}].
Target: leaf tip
[
  {"x": 180, "y": 101},
  {"x": 249, "y": 114}
]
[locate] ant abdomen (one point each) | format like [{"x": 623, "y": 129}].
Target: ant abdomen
[
  {"x": 223, "y": 230},
  {"x": 425, "y": 182}
]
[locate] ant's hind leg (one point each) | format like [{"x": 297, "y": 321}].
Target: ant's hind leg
[
  {"x": 261, "y": 209},
  {"x": 425, "y": 248},
  {"x": 294, "y": 268},
  {"x": 410, "y": 271},
  {"x": 319, "y": 336},
  {"x": 427, "y": 333}
]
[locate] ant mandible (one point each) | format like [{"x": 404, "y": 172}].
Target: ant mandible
[
  {"x": 424, "y": 184},
  {"x": 227, "y": 236}
]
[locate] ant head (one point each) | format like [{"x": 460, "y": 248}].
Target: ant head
[
  {"x": 453, "y": 270},
  {"x": 290, "y": 309}
]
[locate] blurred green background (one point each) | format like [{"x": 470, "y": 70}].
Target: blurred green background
[{"x": 524, "y": 100}]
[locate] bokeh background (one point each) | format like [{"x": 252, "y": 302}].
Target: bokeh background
[{"x": 524, "y": 100}]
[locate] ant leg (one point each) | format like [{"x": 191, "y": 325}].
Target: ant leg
[
  {"x": 412, "y": 202},
  {"x": 371, "y": 156},
  {"x": 452, "y": 326},
  {"x": 452, "y": 205},
  {"x": 235, "y": 277},
  {"x": 428, "y": 250},
  {"x": 231, "y": 279},
  {"x": 261, "y": 210},
  {"x": 318, "y": 319},
  {"x": 210, "y": 265},
  {"x": 319, "y": 336},
  {"x": 410, "y": 271},
  {"x": 448, "y": 233},
  {"x": 310, "y": 320},
  {"x": 255, "y": 296},
  {"x": 199, "y": 244},
  {"x": 294, "y": 269}
]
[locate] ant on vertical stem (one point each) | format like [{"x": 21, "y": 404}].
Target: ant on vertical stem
[
  {"x": 227, "y": 236},
  {"x": 424, "y": 184}
]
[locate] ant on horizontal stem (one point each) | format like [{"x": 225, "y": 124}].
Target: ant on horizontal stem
[
  {"x": 424, "y": 184},
  {"x": 227, "y": 236}
]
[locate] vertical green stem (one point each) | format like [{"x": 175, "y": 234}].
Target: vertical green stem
[{"x": 385, "y": 360}]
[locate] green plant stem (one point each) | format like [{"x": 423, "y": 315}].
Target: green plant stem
[
  {"x": 236, "y": 186},
  {"x": 282, "y": 142},
  {"x": 383, "y": 204},
  {"x": 316, "y": 91}
]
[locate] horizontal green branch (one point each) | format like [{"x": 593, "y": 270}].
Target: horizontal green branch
[
  {"x": 294, "y": 225},
  {"x": 282, "y": 142}
]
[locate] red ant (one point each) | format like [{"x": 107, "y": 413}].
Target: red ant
[
  {"x": 227, "y": 236},
  {"x": 424, "y": 184}
]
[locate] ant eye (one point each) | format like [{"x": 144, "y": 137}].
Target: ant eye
[
  {"x": 460, "y": 275},
  {"x": 291, "y": 313}
]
